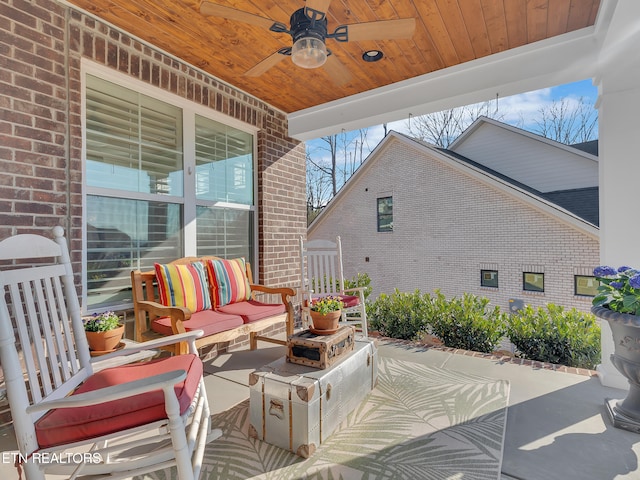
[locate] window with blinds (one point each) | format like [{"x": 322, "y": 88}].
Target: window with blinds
[
  {"x": 133, "y": 142},
  {"x": 224, "y": 159},
  {"x": 136, "y": 206}
]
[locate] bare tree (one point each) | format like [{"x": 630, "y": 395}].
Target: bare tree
[
  {"x": 339, "y": 158},
  {"x": 568, "y": 121},
  {"x": 442, "y": 128},
  {"x": 357, "y": 154},
  {"x": 318, "y": 189},
  {"x": 330, "y": 167}
]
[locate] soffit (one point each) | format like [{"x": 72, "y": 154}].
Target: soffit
[{"x": 448, "y": 33}]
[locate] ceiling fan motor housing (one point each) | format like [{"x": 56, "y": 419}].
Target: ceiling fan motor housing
[
  {"x": 303, "y": 26},
  {"x": 308, "y": 30}
]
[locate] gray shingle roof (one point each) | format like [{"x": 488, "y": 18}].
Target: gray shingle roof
[
  {"x": 589, "y": 147},
  {"x": 583, "y": 202}
]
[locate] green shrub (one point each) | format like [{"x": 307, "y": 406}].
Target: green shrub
[
  {"x": 552, "y": 335},
  {"x": 399, "y": 315},
  {"x": 548, "y": 334},
  {"x": 360, "y": 280},
  {"x": 467, "y": 323}
]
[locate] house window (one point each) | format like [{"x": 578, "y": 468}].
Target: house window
[
  {"x": 585, "y": 285},
  {"x": 489, "y": 278},
  {"x": 533, "y": 282},
  {"x": 161, "y": 182},
  {"x": 385, "y": 214}
]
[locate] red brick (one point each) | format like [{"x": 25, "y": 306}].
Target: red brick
[{"x": 43, "y": 116}]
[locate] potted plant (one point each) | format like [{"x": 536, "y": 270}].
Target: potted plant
[
  {"x": 104, "y": 331},
  {"x": 618, "y": 303},
  {"x": 325, "y": 313}
]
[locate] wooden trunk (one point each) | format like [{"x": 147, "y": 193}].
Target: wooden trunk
[
  {"x": 320, "y": 351},
  {"x": 296, "y": 407}
]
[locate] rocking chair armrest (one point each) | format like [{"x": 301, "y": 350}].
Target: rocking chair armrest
[
  {"x": 285, "y": 292},
  {"x": 129, "y": 349},
  {"x": 162, "y": 381},
  {"x": 359, "y": 290}
]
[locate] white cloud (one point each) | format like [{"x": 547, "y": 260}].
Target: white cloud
[{"x": 523, "y": 108}]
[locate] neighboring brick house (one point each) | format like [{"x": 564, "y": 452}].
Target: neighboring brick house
[
  {"x": 418, "y": 217},
  {"x": 138, "y": 155}
]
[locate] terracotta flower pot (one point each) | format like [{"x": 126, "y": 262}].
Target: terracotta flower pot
[
  {"x": 327, "y": 322},
  {"x": 105, "y": 341}
]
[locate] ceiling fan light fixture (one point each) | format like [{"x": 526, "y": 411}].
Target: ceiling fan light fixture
[{"x": 309, "y": 52}]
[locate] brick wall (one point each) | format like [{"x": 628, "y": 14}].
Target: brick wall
[
  {"x": 447, "y": 226},
  {"x": 34, "y": 180},
  {"x": 42, "y": 44}
]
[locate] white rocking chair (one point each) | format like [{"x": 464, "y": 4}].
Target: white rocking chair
[
  {"x": 321, "y": 275},
  {"x": 126, "y": 420}
]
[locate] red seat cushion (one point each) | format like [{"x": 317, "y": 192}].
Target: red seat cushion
[
  {"x": 209, "y": 321},
  {"x": 66, "y": 425},
  {"x": 348, "y": 300},
  {"x": 252, "y": 311}
]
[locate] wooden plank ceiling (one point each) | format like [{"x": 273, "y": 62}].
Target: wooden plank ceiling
[{"x": 448, "y": 32}]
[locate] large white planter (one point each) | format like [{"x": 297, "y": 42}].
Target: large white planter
[{"x": 625, "y": 329}]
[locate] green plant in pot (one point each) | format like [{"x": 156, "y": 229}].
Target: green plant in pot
[
  {"x": 618, "y": 303},
  {"x": 104, "y": 331},
  {"x": 325, "y": 314}
]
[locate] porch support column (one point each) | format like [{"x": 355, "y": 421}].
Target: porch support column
[{"x": 619, "y": 157}]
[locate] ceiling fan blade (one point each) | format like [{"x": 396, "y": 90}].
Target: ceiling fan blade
[
  {"x": 271, "y": 61},
  {"x": 380, "y": 30},
  {"x": 340, "y": 75},
  {"x": 214, "y": 10},
  {"x": 320, "y": 6}
]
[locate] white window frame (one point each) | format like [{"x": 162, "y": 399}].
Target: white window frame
[{"x": 190, "y": 110}]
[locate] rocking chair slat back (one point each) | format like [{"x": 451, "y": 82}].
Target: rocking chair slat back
[
  {"x": 136, "y": 417},
  {"x": 322, "y": 274},
  {"x": 323, "y": 267},
  {"x": 47, "y": 338}
]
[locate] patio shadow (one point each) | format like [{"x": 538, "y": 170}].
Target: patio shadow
[
  {"x": 566, "y": 434},
  {"x": 557, "y": 426}
]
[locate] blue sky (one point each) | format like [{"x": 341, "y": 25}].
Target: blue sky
[
  {"x": 583, "y": 88},
  {"x": 519, "y": 110}
]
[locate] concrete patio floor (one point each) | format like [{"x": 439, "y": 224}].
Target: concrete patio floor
[
  {"x": 557, "y": 428},
  {"x": 556, "y": 423}
]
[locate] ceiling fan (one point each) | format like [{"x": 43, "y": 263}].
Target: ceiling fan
[{"x": 308, "y": 30}]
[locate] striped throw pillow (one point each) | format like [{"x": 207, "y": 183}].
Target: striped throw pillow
[
  {"x": 183, "y": 286},
  {"x": 229, "y": 280}
]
